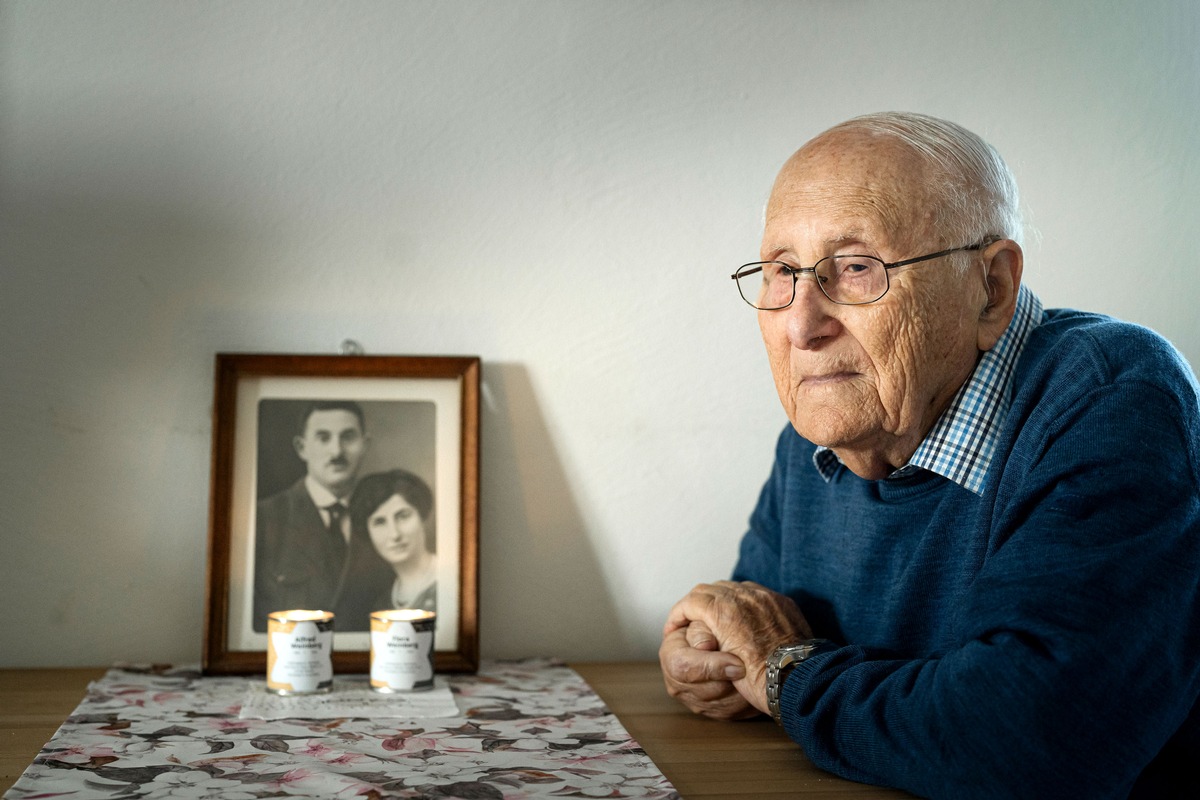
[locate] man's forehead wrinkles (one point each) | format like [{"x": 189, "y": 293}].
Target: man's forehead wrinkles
[
  {"x": 833, "y": 219},
  {"x": 826, "y": 242},
  {"x": 835, "y": 195},
  {"x": 874, "y": 220}
]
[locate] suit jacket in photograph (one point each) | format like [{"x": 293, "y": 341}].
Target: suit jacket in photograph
[{"x": 298, "y": 563}]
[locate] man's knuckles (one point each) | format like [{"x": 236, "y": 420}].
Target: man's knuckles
[{"x": 684, "y": 666}]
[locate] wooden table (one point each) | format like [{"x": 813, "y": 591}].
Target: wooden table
[
  {"x": 33, "y": 703},
  {"x": 708, "y": 759},
  {"x": 702, "y": 758}
]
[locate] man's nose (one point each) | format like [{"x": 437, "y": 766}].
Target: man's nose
[{"x": 809, "y": 320}]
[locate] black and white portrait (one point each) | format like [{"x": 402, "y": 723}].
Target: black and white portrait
[{"x": 344, "y": 515}]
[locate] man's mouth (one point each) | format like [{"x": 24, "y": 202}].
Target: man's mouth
[{"x": 827, "y": 378}]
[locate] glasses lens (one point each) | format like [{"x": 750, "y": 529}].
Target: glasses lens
[
  {"x": 767, "y": 285},
  {"x": 852, "y": 279}
]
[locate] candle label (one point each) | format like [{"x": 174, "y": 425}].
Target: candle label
[
  {"x": 299, "y": 652},
  {"x": 402, "y": 650}
]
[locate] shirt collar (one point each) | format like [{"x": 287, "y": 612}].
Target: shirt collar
[{"x": 963, "y": 440}]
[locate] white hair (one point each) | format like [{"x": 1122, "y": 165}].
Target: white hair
[{"x": 975, "y": 190}]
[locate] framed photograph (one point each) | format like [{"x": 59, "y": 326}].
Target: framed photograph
[{"x": 347, "y": 484}]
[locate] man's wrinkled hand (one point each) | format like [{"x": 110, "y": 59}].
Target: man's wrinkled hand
[
  {"x": 700, "y": 676},
  {"x": 744, "y": 620}
]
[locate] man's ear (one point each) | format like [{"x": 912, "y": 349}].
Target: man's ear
[
  {"x": 298, "y": 446},
  {"x": 1003, "y": 262}
]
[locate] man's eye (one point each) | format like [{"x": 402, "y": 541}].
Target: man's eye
[
  {"x": 849, "y": 268},
  {"x": 776, "y": 270},
  {"x": 852, "y": 267}
]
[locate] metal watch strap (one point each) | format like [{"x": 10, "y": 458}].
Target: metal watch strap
[{"x": 787, "y": 656}]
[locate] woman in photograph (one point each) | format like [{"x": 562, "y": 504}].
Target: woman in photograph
[{"x": 393, "y": 546}]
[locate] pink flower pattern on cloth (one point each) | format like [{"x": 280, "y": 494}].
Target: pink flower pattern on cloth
[{"x": 526, "y": 729}]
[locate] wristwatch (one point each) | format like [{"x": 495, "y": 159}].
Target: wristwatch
[{"x": 780, "y": 664}]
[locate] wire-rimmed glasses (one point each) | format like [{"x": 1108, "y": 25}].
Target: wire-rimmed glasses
[{"x": 848, "y": 280}]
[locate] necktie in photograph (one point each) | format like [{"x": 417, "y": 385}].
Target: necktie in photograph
[{"x": 336, "y": 512}]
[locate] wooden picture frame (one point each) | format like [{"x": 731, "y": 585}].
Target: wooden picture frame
[{"x": 273, "y": 417}]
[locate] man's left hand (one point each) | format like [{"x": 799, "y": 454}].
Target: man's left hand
[{"x": 749, "y": 621}]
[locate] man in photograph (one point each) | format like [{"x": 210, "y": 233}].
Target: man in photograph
[{"x": 302, "y": 533}]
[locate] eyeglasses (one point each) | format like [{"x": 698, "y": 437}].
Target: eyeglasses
[{"x": 849, "y": 280}]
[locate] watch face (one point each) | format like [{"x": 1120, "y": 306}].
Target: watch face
[
  {"x": 791, "y": 653},
  {"x": 784, "y": 656}
]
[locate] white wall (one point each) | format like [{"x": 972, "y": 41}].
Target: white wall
[{"x": 561, "y": 188}]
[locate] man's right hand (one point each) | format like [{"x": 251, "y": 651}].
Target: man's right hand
[{"x": 699, "y": 675}]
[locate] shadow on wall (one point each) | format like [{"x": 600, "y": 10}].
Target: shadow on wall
[{"x": 542, "y": 590}]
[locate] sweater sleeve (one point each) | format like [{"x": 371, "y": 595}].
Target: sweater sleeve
[{"x": 1077, "y": 654}]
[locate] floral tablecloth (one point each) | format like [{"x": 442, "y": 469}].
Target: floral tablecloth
[{"x": 525, "y": 729}]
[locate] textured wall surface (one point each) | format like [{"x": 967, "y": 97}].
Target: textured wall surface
[{"x": 561, "y": 188}]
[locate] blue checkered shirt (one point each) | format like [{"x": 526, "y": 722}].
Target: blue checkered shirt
[{"x": 962, "y": 442}]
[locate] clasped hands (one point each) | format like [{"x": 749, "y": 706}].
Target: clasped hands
[{"x": 716, "y": 642}]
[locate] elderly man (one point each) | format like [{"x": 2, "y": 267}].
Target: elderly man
[{"x": 974, "y": 569}]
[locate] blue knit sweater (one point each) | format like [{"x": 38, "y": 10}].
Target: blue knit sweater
[{"x": 1040, "y": 640}]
